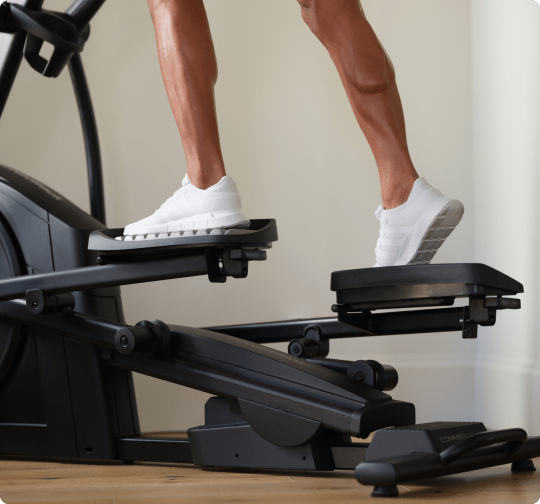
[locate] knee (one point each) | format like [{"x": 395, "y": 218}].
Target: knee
[
  {"x": 324, "y": 17},
  {"x": 155, "y": 6},
  {"x": 310, "y": 15},
  {"x": 345, "y": 32},
  {"x": 162, "y": 7}
]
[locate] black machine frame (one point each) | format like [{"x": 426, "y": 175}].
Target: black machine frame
[
  {"x": 66, "y": 352},
  {"x": 78, "y": 15}
]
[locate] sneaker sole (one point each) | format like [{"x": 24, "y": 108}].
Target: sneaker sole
[
  {"x": 202, "y": 222},
  {"x": 439, "y": 229}
]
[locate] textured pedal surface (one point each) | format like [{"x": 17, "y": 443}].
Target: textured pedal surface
[
  {"x": 440, "y": 229},
  {"x": 260, "y": 234},
  {"x": 180, "y": 234}
]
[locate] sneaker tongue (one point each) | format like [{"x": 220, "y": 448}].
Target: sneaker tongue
[
  {"x": 379, "y": 211},
  {"x": 186, "y": 181}
]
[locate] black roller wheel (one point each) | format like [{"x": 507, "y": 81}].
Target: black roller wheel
[{"x": 10, "y": 333}]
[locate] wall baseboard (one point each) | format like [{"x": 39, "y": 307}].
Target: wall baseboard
[{"x": 506, "y": 393}]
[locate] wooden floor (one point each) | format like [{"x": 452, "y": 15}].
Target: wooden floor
[{"x": 30, "y": 481}]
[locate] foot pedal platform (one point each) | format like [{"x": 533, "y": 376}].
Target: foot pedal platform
[
  {"x": 260, "y": 234},
  {"x": 359, "y": 292},
  {"x": 398, "y": 286}
]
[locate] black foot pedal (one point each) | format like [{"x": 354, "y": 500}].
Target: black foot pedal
[
  {"x": 260, "y": 234},
  {"x": 523, "y": 466},
  {"x": 385, "y": 491}
]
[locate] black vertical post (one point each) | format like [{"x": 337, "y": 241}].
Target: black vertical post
[
  {"x": 11, "y": 51},
  {"x": 91, "y": 140},
  {"x": 82, "y": 11}
]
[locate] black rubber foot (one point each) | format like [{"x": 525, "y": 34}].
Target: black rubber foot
[
  {"x": 523, "y": 466},
  {"x": 128, "y": 462},
  {"x": 385, "y": 491}
]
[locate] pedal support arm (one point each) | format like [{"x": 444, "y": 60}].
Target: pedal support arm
[
  {"x": 481, "y": 311},
  {"x": 125, "y": 273}
]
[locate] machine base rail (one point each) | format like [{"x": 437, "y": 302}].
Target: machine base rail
[
  {"x": 387, "y": 473},
  {"x": 154, "y": 449}
]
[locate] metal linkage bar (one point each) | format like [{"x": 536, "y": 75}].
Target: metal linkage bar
[
  {"x": 74, "y": 325},
  {"x": 209, "y": 362},
  {"x": 108, "y": 275},
  {"x": 318, "y": 397},
  {"x": 354, "y": 325},
  {"x": 278, "y": 332}
]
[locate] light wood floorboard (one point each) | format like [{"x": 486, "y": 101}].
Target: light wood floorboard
[{"x": 29, "y": 481}]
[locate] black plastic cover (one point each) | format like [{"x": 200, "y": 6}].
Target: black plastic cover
[{"x": 420, "y": 438}]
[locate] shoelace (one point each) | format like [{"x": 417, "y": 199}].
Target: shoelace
[{"x": 182, "y": 190}]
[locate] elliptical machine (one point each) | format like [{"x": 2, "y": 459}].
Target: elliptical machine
[{"x": 66, "y": 352}]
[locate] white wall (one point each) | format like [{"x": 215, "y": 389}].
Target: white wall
[
  {"x": 291, "y": 142},
  {"x": 506, "y": 206}
]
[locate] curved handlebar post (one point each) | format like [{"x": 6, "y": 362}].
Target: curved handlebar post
[
  {"x": 514, "y": 439},
  {"x": 82, "y": 11},
  {"x": 91, "y": 139}
]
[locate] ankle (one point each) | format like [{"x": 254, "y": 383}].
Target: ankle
[
  {"x": 395, "y": 195},
  {"x": 205, "y": 180}
]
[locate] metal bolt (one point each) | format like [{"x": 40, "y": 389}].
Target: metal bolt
[
  {"x": 296, "y": 349},
  {"x": 360, "y": 377},
  {"x": 124, "y": 341},
  {"x": 35, "y": 304}
]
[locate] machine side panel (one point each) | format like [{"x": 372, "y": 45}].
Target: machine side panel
[
  {"x": 21, "y": 399},
  {"x": 123, "y": 389},
  {"x": 103, "y": 404},
  {"x": 23, "y": 428},
  {"x": 38, "y": 391},
  {"x": 56, "y": 393},
  {"x": 31, "y": 231},
  {"x": 93, "y": 402},
  {"x": 24, "y": 439},
  {"x": 33, "y": 193},
  {"x": 64, "y": 387}
]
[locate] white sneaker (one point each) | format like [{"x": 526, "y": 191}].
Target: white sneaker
[
  {"x": 192, "y": 209},
  {"x": 413, "y": 232}
]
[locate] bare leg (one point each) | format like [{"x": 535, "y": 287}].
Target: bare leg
[
  {"x": 189, "y": 68},
  {"x": 369, "y": 80}
]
